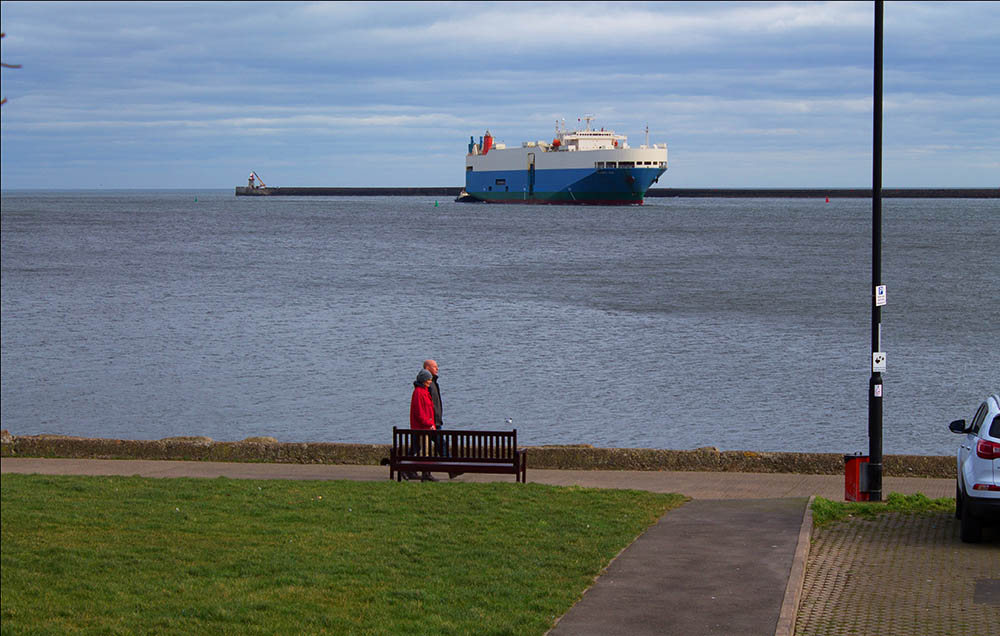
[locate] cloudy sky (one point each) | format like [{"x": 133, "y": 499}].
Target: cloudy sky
[{"x": 763, "y": 94}]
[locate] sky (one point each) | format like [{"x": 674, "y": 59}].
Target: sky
[{"x": 745, "y": 94}]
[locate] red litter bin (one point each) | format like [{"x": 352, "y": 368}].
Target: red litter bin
[{"x": 856, "y": 477}]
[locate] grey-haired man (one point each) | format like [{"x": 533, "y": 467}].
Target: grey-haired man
[{"x": 435, "y": 389}]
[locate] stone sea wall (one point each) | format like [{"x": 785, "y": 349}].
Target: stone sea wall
[{"x": 578, "y": 457}]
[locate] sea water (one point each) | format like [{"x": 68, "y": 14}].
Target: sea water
[{"x": 735, "y": 323}]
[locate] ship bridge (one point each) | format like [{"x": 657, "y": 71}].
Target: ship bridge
[{"x": 588, "y": 139}]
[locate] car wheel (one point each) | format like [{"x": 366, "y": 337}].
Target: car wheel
[
  {"x": 958, "y": 501},
  {"x": 972, "y": 528}
]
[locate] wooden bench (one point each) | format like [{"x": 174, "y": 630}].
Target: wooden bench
[{"x": 467, "y": 452}]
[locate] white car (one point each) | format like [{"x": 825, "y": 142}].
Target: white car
[{"x": 977, "y": 487}]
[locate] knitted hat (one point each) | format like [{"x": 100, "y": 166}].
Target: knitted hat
[{"x": 424, "y": 376}]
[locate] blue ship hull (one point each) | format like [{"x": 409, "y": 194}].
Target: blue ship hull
[{"x": 612, "y": 186}]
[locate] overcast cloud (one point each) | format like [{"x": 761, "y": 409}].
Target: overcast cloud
[{"x": 175, "y": 94}]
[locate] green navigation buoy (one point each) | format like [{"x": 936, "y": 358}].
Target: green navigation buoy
[{"x": 435, "y": 204}]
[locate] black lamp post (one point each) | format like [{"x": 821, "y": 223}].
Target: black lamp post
[{"x": 875, "y": 383}]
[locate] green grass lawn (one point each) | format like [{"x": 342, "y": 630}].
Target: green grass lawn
[
  {"x": 126, "y": 555},
  {"x": 825, "y": 511}
]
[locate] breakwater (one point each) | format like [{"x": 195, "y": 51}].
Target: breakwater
[
  {"x": 575, "y": 457},
  {"x": 833, "y": 193},
  {"x": 726, "y": 193},
  {"x": 244, "y": 191}
]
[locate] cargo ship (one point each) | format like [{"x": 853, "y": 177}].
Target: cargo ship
[{"x": 595, "y": 167}]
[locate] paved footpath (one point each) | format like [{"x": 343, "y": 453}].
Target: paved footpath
[
  {"x": 693, "y": 484},
  {"x": 731, "y": 561},
  {"x": 710, "y": 567}
]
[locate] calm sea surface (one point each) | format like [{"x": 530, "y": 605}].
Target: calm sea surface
[{"x": 736, "y": 323}]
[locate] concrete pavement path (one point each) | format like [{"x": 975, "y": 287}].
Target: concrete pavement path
[
  {"x": 710, "y": 567},
  {"x": 698, "y": 485}
]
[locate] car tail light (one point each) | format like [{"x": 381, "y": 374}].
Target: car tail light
[
  {"x": 990, "y": 487},
  {"x": 988, "y": 450}
]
